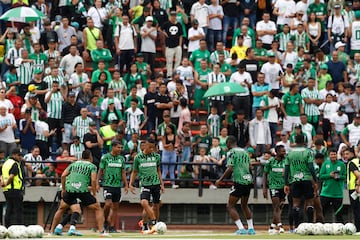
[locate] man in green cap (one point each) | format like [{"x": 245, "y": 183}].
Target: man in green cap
[{"x": 355, "y": 35}]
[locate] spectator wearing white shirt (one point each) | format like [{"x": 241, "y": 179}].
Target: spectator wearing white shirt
[
  {"x": 328, "y": 109},
  {"x": 200, "y": 11},
  {"x": 338, "y": 122},
  {"x": 242, "y": 100},
  {"x": 329, "y": 88},
  {"x": 338, "y": 26},
  {"x": 273, "y": 72},
  {"x": 78, "y": 78},
  {"x": 266, "y": 30},
  {"x": 270, "y": 105},
  {"x": 284, "y": 10},
  {"x": 302, "y": 6},
  {"x": 36, "y": 165},
  {"x": 216, "y": 15},
  {"x": 98, "y": 14},
  {"x": 148, "y": 37},
  {"x": 195, "y": 34},
  {"x": 69, "y": 61},
  {"x": 289, "y": 56},
  {"x": 110, "y": 95}
]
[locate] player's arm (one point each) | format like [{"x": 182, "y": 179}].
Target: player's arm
[
  {"x": 227, "y": 173},
  {"x": 161, "y": 181},
  {"x": 99, "y": 176},
  {"x": 265, "y": 179},
  {"x": 124, "y": 179},
  {"x": 132, "y": 178},
  {"x": 63, "y": 180},
  {"x": 286, "y": 179},
  {"x": 93, "y": 183}
]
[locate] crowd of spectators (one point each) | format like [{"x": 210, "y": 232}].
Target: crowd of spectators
[{"x": 299, "y": 63}]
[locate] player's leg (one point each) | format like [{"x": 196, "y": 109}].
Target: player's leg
[
  {"x": 88, "y": 200},
  {"x": 275, "y": 200},
  {"x": 290, "y": 212},
  {"x": 75, "y": 216},
  {"x": 296, "y": 194},
  {"x": 231, "y": 207},
  {"x": 107, "y": 209},
  {"x": 308, "y": 191},
  {"x": 318, "y": 209},
  {"x": 56, "y": 228},
  {"x": 338, "y": 209},
  {"x": 247, "y": 212},
  {"x": 115, "y": 201}
]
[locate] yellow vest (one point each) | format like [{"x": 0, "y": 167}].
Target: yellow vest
[
  {"x": 17, "y": 182},
  {"x": 106, "y": 132},
  {"x": 351, "y": 178},
  {"x": 91, "y": 37}
]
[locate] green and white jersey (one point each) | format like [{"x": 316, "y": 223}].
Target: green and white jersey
[
  {"x": 118, "y": 86},
  {"x": 199, "y": 55},
  {"x": 39, "y": 60},
  {"x": 275, "y": 170},
  {"x": 214, "y": 57},
  {"x": 355, "y": 37},
  {"x": 214, "y": 124},
  {"x": 298, "y": 159},
  {"x": 77, "y": 150},
  {"x": 142, "y": 68},
  {"x": 311, "y": 109},
  {"x": 300, "y": 40},
  {"x": 25, "y": 72},
  {"x": 354, "y": 133},
  {"x": 147, "y": 168},
  {"x": 133, "y": 120},
  {"x": 203, "y": 76},
  {"x": 50, "y": 79},
  {"x": 11, "y": 78},
  {"x": 54, "y": 106},
  {"x": 283, "y": 40},
  {"x": 81, "y": 126},
  {"x": 76, "y": 79},
  {"x": 291, "y": 104},
  {"x": 79, "y": 178},
  {"x": 40, "y": 128},
  {"x": 112, "y": 166},
  {"x": 239, "y": 160}
]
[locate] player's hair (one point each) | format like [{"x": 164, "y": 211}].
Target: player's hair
[
  {"x": 76, "y": 138},
  {"x": 319, "y": 142},
  {"x": 299, "y": 139},
  {"x": 278, "y": 148},
  {"x": 86, "y": 154},
  {"x": 33, "y": 147},
  {"x": 231, "y": 140},
  {"x": 115, "y": 142},
  {"x": 217, "y": 138},
  {"x": 319, "y": 156},
  {"x": 149, "y": 140},
  {"x": 332, "y": 150}
]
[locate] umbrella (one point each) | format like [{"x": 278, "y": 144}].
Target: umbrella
[
  {"x": 22, "y": 14},
  {"x": 225, "y": 89}
]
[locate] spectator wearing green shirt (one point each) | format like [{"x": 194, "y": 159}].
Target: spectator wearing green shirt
[
  {"x": 143, "y": 67},
  {"x": 101, "y": 68},
  {"x": 291, "y": 107},
  {"x": 323, "y": 77},
  {"x": 11, "y": 78},
  {"x": 200, "y": 54},
  {"x": 260, "y": 52},
  {"x": 100, "y": 53},
  {"x": 133, "y": 95},
  {"x": 133, "y": 76}
]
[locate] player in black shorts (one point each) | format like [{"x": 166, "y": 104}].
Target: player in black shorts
[{"x": 112, "y": 170}]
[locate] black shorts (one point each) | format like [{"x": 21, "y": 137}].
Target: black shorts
[
  {"x": 302, "y": 189},
  {"x": 240, "y": 190},
  {"x": 151, "y": 191},
  {"x": 113, "y": 193},
  {"x": 86, "y": 198},
  {"x": 277, "y": 193}
]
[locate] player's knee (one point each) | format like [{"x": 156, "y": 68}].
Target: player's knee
[{"x": 144, "y": 203}]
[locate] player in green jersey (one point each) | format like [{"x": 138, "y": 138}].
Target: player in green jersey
[
  {"x": 112, "y": 170},
  {"x": 274, "y": 180},
  {"x": 75, "y": 182},
  {"x": 147, "y": 165},
  {"x": 300, "y": 173},
  {"x": 238, "y": 163}
]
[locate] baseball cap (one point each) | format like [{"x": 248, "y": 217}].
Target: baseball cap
[
  {"x": 58, "y": 18},
  {"x": 348, "y": 3},
  {"x": 17, "y": 151},
  {"x": 32, "y": 87},
  {"x": 337, "y": 5},
  {"x": 339, "y": 44},
  {"x": 38, "y": 71},
  {"x": 71, "y": 94},
  {"x": 250, "y": 150},
  {"x": 51, "y": 40},
  {"x": 298, "y": 126},
  {"x": 172, "y": 12},
  {"x": 92, "y": 123},
  {"x": 75, "y": 24},
  {"x": 149, "y": 19},
  {"x": 271, "y": 54},
  {"x": 341, "y": 108},
  {"x": 324, "y": 66},
  {"x": 110, "y": 101},
  {"x": 139, "y": 54}
]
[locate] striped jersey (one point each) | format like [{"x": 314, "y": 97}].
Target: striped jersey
[
  {"x": 216, "y": 78},
  {"x": 77, "y": 150},
  {"x": 42, "y": 8},
  {"x": 310, "y": 109},
  {"x": 301, "y": 40},
  {"x": 355, "y": 35},
  {"x": 76, "y": 79},
  {"x": 25, "y": 72},
  {"x": 13, "y": 54},
  {"x": 133, "y": 120},
  {"x": 40, "y": 128},
  {"x": 9, "y": 43},
  {"x": 119, "y": 87},
  {"x": 283, "y": 40},
  {"x": 54, "y": 106},
  {"x": 39, "y": 60},
  {"x": 50, "y": 79},
  {"x": 37, "y": 162},
  {"x": 81, "y": 126},
  {"x": 213, "y": 122},
  {"x": 214, "y": 57}
]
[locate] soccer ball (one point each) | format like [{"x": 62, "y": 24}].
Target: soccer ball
[
  {"x": 349, "y": 229},
  {"x": 302, "y": 229},
  {"x": 328, "y": 228},
  {"x": 35, "y": 231},
  {"x": 160, "y": 228},
  {"x": 318, "y": 229},
  {"x": 3, "y": 231},
  {"x": 338, "y": 228},
  {"x": 17, "y": 231}
]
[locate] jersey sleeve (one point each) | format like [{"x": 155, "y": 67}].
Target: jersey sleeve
[
  {"x": 102, "y": 162},
  {"x": 136, "y": 163},
  {"x": 230, "y": 159}
]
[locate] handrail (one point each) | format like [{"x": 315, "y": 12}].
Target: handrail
[{"x": 200, "y": 179}]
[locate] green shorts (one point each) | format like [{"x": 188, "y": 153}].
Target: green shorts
[{"x": 198, "y": 96}]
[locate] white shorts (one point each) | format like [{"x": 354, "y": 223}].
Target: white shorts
[{"x": 289, "y": 123}]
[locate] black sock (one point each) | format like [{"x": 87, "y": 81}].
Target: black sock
[
  {"x": 310, "y": 214},
  {"x": 145, "y": 226},
  {"x": 153, "y": 222},
  {"x": 74, "y": 218},
  {"x": 296, "y": 216},
  {"x": 65, "y": 219}
]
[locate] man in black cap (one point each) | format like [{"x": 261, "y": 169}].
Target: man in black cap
[
  {"x": 240, "y": 129},
  {"x": 12, "y": 182},
  {"x": 47, "y": 35}
]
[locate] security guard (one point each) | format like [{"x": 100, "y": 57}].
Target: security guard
[
  {"x": 12, "y": 182},
  {"x": 353, "y": 182}
]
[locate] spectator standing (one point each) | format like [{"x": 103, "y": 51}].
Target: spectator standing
[
  {"x": 125, "y": 43},
  {"x": 312, "y": 100},
  {"x": 90, "y": 35},
  {"x": 216, "y": 77},
  {"x": 284, "y": 10},
  {"x": 100, "y": 54},
  {"x": 216, "y": 15},
  {"x": 201, "y": 85},
  {"x": 78, "y": 78},
  {"x": 200, "y": 11},
  {"x": 173, "y": 40},
  {"x": 64, "y": 32},
  {"x": 353, "y": 183},
  {"x": 36, "y": 166},
  {"x": 291, "y": 107},
  {"x": 27, "y": 131},
  {"x": 258, "y": 90},
  {"x": 270, "y": 104},
  {"x": 327, "y": 109},
  {"x": 81, "y": 124},
  {"x": 347, "y": 100},
  {"x": 352, "y": 131},
  {"x": 338, "y": 122},
  {"x": 259, "y": 133},
  {"x": 93, "y": 141},
  {"x": 195, "y": 34},
  {"x": 266, "y": 29},
  {"x": 354, "y": 39},
  {"x": 150, "y": 108},
  {"x": 7, "y": 126},
  {"x": 47, "y": 35},
  {"x": 240, "y": 129},
  {"x": 69, "y": 61},
  {"x": 338, "y": 26},
  {"x": 272, "y": 72},
  {"x": 69, "y": 111},
  {"x": 248, "y": 9},
  {"x": 148, "y": 37},
  {"x": 231, "y": 17}
]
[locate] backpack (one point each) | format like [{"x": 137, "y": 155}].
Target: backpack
[{"x": 132, "y": 29}]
